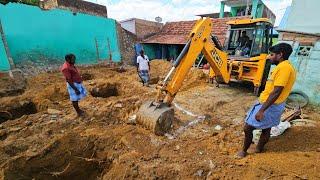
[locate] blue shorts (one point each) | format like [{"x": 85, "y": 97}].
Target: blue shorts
[
  {"x": 271, "y": 116},
  {"x": 72, "y": 93},
  {"x": 144, "y": 74}
]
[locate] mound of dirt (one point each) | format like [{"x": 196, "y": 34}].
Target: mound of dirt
[
  {"x": 196, "y": 77},
  {"x": 159, "y": 68}
]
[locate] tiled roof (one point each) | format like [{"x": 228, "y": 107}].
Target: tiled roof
[
  {"x": 177, "y": 32},
  {"x": 172, "y": 33}
]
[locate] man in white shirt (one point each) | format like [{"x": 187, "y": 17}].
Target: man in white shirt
[{"x": 143, "y": 68}]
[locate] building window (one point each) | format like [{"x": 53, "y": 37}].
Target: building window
[{"x": 304, "y": 51}]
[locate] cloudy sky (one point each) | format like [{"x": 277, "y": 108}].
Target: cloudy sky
[{"x": 175, "y": 10}]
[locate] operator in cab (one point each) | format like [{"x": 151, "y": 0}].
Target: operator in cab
[
  {"x": 243, "y": 40},
  {"x": 243, "y": 44}
]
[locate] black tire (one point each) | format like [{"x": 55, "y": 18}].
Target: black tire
[
  {"x": 293, "y": 102},
  {"x": 264, "y": 79},
  {"x": 219, "y": 80},
  {"x": 256, "y": 91}
]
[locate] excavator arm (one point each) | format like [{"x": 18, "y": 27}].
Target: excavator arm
[
  {"x": 158, "y": 115},
  {"x": 199, "y": 41}
]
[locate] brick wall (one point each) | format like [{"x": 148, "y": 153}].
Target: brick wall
[
  {"x": 145, "y": 29},
  {"x": 83, "y": 6},
  {"x": 303, "y": 39},
  {"x": 127, "y": 40},
  {"x": 48, "y": 4}
]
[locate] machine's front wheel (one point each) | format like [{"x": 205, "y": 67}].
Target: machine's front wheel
[
  {"x": 256, "y": 90},
  {"x": 219, "y": 80}
]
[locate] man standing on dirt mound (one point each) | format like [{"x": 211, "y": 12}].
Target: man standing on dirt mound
[
  {"x": 74, "y": 82},
  {"x": 266, "y": 112},
  {"x": 143, "y": 68}
]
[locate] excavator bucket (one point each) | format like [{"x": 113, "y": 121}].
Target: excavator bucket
[{"x": 156, "y": 118}]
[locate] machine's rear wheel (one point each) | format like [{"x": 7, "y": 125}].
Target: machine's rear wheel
[
  {"x": 258, "y": 89},
  {"x": 297, "y": 98}
]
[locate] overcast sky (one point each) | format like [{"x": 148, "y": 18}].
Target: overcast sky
[{"x": 175, "y": 10}]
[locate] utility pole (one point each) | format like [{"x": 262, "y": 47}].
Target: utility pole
[
  {"x": 6, "y": 47},
  {"x": 97, "y": 49},
  {"x": 109, "y": 50}
]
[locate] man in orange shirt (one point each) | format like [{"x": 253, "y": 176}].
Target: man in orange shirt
[{"x": 266, "y": 113}]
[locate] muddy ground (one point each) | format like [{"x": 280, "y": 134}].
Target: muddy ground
[{"x": 42, "y": 138}]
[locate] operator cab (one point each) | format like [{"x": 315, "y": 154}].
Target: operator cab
[{"x": 248, "y": 37}]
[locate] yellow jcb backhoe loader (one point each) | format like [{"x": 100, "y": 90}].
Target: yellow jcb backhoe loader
[
  {"x": 157, "y": 115},
  {"x": 247, "y": 58}
]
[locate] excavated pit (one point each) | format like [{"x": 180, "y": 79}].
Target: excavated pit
[
  {"x": 18, "y": 109},
  {"x": 87, "y": 76},
  {"x": 105, "y": 91},
  {"x": 120, "y": 70},
  {"x": 154, "y": 80},
  {"x": 12, "y": 86},
  {"x": 12, "y": 91},
  {"x": 70, "y": 157}
]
